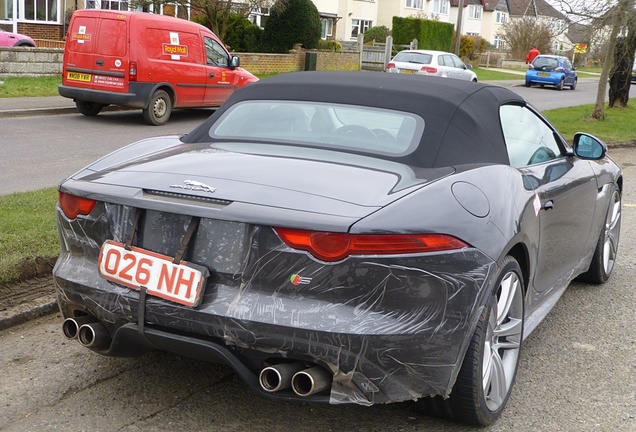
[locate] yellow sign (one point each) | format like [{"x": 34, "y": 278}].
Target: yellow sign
[{"x": 580, "y": 48}]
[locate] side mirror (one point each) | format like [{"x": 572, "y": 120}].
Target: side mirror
[
  {"x": 586, "y": 146},
  {"x": 235, "y": 62}
]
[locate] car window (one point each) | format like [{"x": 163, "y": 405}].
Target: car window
[
  {"x": 545, "y": 63},
  {"x": 457, "y": 62},
  {"x": 361, "y": 128},
  {"x": 215, "y": 53},
  {"x": 529, "y": 140},
  {"x": 446, "y": 60},
  {"x": 567, "y": 64},
  {"x": 413, "y": 57}
]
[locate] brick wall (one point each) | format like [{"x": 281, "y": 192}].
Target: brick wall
[
  {"x": 48, "y": 61},
  {"x": 30, "y": 61},
  {"x": 41, "y": 31}
]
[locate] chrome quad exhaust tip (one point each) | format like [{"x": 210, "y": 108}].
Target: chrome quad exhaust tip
[
  {"x": 310, "y": 381},
  {"x": 278, "y": 377},
  {"x": 71, "y": 326},
  {"x": 94, "y": 336}
]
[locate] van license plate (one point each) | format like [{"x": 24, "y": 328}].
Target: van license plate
[
  {"x": 162, "y": 278},
  {"x": 76, "y": 76}
]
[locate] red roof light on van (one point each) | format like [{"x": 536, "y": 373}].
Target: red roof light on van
[{"x": 132, "y": 71}]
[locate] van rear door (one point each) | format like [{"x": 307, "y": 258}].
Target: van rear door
[{"x": 96, "y": 55}]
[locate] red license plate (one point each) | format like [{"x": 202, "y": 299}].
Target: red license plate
[{"x": 137, "y": 267}]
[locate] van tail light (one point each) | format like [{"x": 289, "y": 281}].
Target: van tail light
[
  {"x": 330, "y": 247},
  {"x": 559, "y": 69},
  {"x": 132, "y": 71},
  {"x": 390, "y": 66},
  {"x": 74, "y": 206},
  {"x": 429, "y": 69}
]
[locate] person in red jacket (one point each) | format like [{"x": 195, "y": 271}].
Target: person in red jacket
[{"x": 532, "y": 54}]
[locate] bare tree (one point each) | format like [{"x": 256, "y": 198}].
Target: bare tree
[
  {"x": 522, "y": 34},
  {"x": 215, "y": 14}
]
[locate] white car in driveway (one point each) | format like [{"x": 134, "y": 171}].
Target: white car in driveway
[{"x": 427, "y": 62}]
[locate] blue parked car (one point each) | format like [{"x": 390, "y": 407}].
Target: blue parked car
[{"x": 551, "y": 70}]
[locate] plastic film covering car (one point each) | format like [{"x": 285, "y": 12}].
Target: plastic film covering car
[{"x": 388, "y": 328}]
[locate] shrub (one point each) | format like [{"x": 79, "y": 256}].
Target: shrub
[
  {"x": 292, "y": 22},
  {"x": 378, "y": 34},
  {"x": 242, "y": 35},
  {"x": 329, "y": 45}
]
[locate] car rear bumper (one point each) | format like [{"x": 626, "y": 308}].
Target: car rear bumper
[
  {"x": 137, "y": 97},
  {"x": 387, "y": 330}
]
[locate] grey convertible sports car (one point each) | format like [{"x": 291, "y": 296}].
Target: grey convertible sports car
[{"x": 342, "y": 237}]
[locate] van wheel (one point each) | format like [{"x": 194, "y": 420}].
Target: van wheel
[
  {"x": 90, "y": 109},
  {"x": 159, "y": 109}
]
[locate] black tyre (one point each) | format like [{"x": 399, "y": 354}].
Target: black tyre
[
  {"x": 159, "y": 109},
  {"x": 606, "y": 249},
  {"x": 573, "y": 86},
  {"x": 489, "y": 369},
  {"x": 527, "y": 83},
  {"x": 559, "y": 86},
  {"x": 89, "y": 109}
]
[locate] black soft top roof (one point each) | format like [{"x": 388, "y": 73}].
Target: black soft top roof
[{"x": 462, "y": 118}]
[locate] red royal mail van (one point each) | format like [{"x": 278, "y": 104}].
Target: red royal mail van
[{"x": 147, "y": 61}]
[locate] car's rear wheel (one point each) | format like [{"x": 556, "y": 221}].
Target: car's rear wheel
[
  {"x": 573, "y": 86},
  {"x": 488, "y": 372},
  {"x": 89, "y": 109},
  {"x": 527, "y": 83},
  {"x": 559, "y": 86},
  {"x": 606, "y": 250},
  {"x": 159, "y": 109}
]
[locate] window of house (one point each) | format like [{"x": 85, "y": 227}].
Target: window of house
[
  {"x": 360, "y": 26},
  {"x": 259, "y": 16},
  {"x": 440, "y": 7},
  {"x": 38, "y": 10},
  {"x": 107, "y": 4},
  {"x": 415, "y": 4},
  {"x": 499, "y": 42},
  {"x": 501, "y": 17},
  {"x": 327, "y": 27},
  {"x": 474, "y": 11}
]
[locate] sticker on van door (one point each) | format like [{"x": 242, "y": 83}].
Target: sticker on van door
[
  {"x": 174, "y": 49},
  {"x": 81, "y": 35}
]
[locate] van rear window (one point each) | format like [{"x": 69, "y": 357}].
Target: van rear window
[{"x": 112, "y": 38}]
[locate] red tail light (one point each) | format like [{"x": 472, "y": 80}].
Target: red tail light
[
  {"x": 132, "y": 71},
  {"x": 73, "y": 206},
  {"x": 559, "y": 69},
  {"x": 390, "y": 66},
  {"x": 429, "y": 69},
  {"x": 327, "y": 246}
]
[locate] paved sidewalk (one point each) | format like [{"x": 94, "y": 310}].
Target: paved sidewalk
[{"x": 13, "y": 107}]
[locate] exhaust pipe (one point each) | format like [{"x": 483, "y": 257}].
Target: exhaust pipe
[
  {"x": 94, "y": 336},
  {"x": 310, "y": 381},
  {"x": 71, "y": 326},
  {"x": 278, "y": 377}
]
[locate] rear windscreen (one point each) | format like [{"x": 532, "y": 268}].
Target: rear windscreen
[{"x": 112, "y": 38}]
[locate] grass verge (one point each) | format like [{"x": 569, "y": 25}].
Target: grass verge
[
  {"x": 28, "y": 234},
  {"x": 616, "y": 127},
  {"x": 492, "y": 75},
  {"x": 29, "y": 86}
]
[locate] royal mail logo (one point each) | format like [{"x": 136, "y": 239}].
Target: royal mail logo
[
  {"x": 180, "y": 50},
  {"x": 81, "y": 36}
]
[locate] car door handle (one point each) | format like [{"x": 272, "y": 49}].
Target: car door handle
[
  {"x": 100, "y": 62},
  {"x": 548, "y": 205},
  {"x": 211, "y": 75}
]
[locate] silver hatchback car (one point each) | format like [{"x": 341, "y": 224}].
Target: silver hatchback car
[{"x": 427, "y": 62}]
